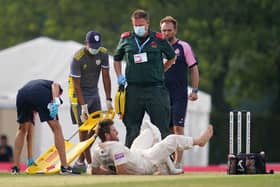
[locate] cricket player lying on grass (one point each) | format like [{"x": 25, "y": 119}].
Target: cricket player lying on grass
[{"x": 148, "y": 153}]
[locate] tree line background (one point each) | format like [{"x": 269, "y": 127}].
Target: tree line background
[{"x": 236, "y": 43}]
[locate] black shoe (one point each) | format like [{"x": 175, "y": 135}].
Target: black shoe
[
  {"x": 15, "y": 170},
  {"x": 66, "y": 170},
  {"x": 79, "y": 167}
]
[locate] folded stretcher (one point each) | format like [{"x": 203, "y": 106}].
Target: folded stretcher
[{"x": 49, "y": 162}]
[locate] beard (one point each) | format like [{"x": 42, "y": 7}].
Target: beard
[{"x": 114, "y": 138}]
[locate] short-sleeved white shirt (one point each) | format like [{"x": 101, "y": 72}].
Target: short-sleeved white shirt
[{"x": 113, "y": 153}]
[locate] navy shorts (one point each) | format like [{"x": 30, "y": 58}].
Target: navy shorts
[
  {"x": 27, "y": 106},
  {"x": 76, "y": 110},
  {"x": 178, "y": 110}
]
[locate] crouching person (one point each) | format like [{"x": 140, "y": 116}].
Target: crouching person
[{"x": 42, "y": 96}]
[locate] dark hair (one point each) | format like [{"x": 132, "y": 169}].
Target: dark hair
[
  {"x": 103, "y": 127},
  {"x": 139, "y": 13},
  {"x": 169, "y": 19},
  {"x": 3, "y": 137}
]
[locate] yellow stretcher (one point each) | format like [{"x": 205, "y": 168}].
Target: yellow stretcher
[{"x": 49, "y": 162}]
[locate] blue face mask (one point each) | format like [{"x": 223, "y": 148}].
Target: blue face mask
[
  {"x": 93, "y": 51},
  {"x": 139, "y": 30}
]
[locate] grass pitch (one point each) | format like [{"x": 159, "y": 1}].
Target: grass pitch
[{"x": 186, "y": 180}]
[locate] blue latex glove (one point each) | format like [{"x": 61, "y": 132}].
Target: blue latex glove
[
  {"x": 121, "y": 80},
  {"x": 31, "y": 162},
  {"x": 53, "y": 107}
]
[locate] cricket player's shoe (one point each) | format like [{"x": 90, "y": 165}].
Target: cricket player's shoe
[
  {"x": 79, "y": 167},
  {"x": 165, "y": 169},
  {"x": 31, "y": 162},
  {"x": 15, "y": 170},
  {"x": 161, "y": 169},
  {"x": 66, "y": 170},
  {"x": 176, "y": 171},
  {"x": 178, "y": 165},
  {"x": 172, "y": 168}
]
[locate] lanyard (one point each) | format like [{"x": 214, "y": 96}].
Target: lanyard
[{"x": 140, "y": 47}]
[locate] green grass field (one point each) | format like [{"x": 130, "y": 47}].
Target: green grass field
[{"x": 185, "y": 180}]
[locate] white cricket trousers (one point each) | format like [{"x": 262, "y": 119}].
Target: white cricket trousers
[{"x": 159, "y": 152}]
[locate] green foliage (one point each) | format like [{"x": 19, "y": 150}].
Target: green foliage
[{"x": 236, "y": 42}]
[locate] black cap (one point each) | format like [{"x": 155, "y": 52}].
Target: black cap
[{"x": 93, "y": 38}]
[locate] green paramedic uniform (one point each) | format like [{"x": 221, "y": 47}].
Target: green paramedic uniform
[{"x": 144, "y": 73}]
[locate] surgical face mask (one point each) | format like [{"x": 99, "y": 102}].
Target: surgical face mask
[
  {"x": 139, "y": 30},
  {"x": 93, "y": 51}
]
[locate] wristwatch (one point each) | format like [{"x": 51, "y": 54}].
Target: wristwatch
[{"x": 195, "y": 90}]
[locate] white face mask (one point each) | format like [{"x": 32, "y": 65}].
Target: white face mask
[
  {"x": 93, "y": 51},
  {"x": 139, "y": 30}
]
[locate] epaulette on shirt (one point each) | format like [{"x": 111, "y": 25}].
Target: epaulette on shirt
[
  {"x": 125, "y": 34},
  {"x": 103, "y": 50},
  {"x": 79, "y": 54},
  {"x": 159, "y": 35}
]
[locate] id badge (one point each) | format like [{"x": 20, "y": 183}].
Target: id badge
[{"x": 140, "y": 58}]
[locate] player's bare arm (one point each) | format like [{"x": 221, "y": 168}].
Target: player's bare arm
[
  {"x": 195, "y": 80},
  {"x": 169, "y": 63},
  {"x": 55, "y": 90},
  {"x": 101, "y": 171},
  {"x": 106, "y": 82},
  {"x": 118, "y": 68}
]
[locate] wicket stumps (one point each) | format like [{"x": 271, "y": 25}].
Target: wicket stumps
[
  {"x": 240, "y": 162},
  {"x": 239, "y": 130}
]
